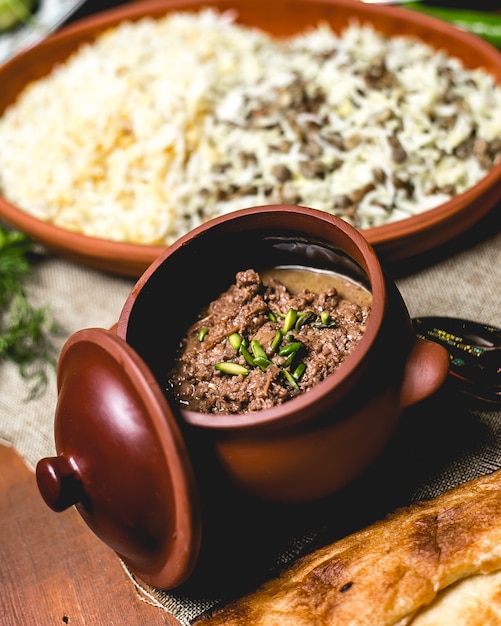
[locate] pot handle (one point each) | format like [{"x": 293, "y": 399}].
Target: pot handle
[
  {"x": 425, "y": 371},
  {"x": 59, "y": 483}
]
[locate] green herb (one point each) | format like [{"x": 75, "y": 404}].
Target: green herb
[
  {"x": 247, "y": 355},
  {"x": 25, "y": 330},
  {"x": 326, "y": 321},
  {"x": 257, "y": 349},
  {"x": 290, "y": 320},
  {"x": 482, "y": 23},
  {"x": 299, "y": 371},
  {"x": 272, "y": 317},
  {"x": 262, "y": 362},
  {"x": 227, "y": 367},
  {"x": 260, "y": 356},
  {"x": 255, "y": 355},
  {"x": 277, "y": 340},
  {"x": 290, "y": 348},
  {"x": 201, "y": 334},
  {"x": 14, "y": 12},
  {"x": 304, "y": 318},
  {"x": 235, "y": 340},
  {"x": 289, "y": 378}
]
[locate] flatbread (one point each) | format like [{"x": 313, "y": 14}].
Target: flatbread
[
  {"x": 472, "y": 601},
  {"x": 436, "y": 563}
]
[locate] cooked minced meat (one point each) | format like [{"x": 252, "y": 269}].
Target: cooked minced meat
[{"x": 212, "y": 374}]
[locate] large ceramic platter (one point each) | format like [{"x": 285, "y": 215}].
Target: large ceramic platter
[{"x": 394, "y": 242}]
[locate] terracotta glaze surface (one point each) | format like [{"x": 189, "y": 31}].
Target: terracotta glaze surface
[
  {"x": 286, "y": 453},
  {"x": 133, "y": 462},
  {"x": 393, "y": 242},
  {"x": 121, "y": 459}
]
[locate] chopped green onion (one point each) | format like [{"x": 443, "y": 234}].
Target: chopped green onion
[
  {"x": 201, "y": 334},
  {"x": 255, "y": 355},
  {"x": 262, "y": 362},
  {"x": 290, "y": 379},
  {"x": 305, "y": 317},
  {"x": 289, "y": 359},
  {"x": 235, "y": 340},
  {"x": 227, "y": 367},
  {"x": 257, "y": 349},
  {"x": 247, "y": 355},
  {"x": 290, "y": 348},
  {"x": 277, "y": 340},
  {"x": 260, "y": 356},
  {"x": 299, "y": 371},
  {"x": 325, "y": 321},
  {"x": 290, "y": 320}
]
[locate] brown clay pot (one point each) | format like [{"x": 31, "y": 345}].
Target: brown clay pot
[{"x": 134, "y": 464}]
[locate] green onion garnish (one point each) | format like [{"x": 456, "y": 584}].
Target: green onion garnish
[
  {"x": 290, "y": 348},
  {"x": 290, "y": 320},
  {"x": 235, "y": 340},
  {"x": 247, "y": 355},
  {"x": 262, "y": 362},
  {"x": 257, "y": 349},
  {"x": 277, "y": 340},
  {"x": 201, "y": 334},
  {"x": 303, "y": 318},
  {"x": 290, "y": 379},
  {"x": 299, "y": 371},
  {"x": 227, "y": 367}
]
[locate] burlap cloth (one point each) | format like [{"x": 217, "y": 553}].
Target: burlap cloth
[{"x": 444, "y": 442}]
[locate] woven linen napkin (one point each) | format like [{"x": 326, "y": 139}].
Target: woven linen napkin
[{"x": 444, "y": 441}]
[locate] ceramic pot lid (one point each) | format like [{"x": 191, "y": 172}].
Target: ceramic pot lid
[{"x": 122, "y": 459}]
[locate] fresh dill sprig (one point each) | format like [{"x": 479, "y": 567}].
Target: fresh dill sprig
[{"x": 25, "y": 330}]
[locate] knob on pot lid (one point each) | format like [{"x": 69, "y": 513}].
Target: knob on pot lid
[{"x": 122, "y": 459}]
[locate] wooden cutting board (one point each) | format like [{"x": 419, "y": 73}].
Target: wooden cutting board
[{"x": 53, "y": 569}]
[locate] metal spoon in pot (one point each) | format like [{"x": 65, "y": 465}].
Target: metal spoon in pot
[{"x": 475, "y": 352}]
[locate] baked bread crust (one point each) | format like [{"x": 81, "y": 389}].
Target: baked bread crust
[{"x": 393, "y": 572}]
